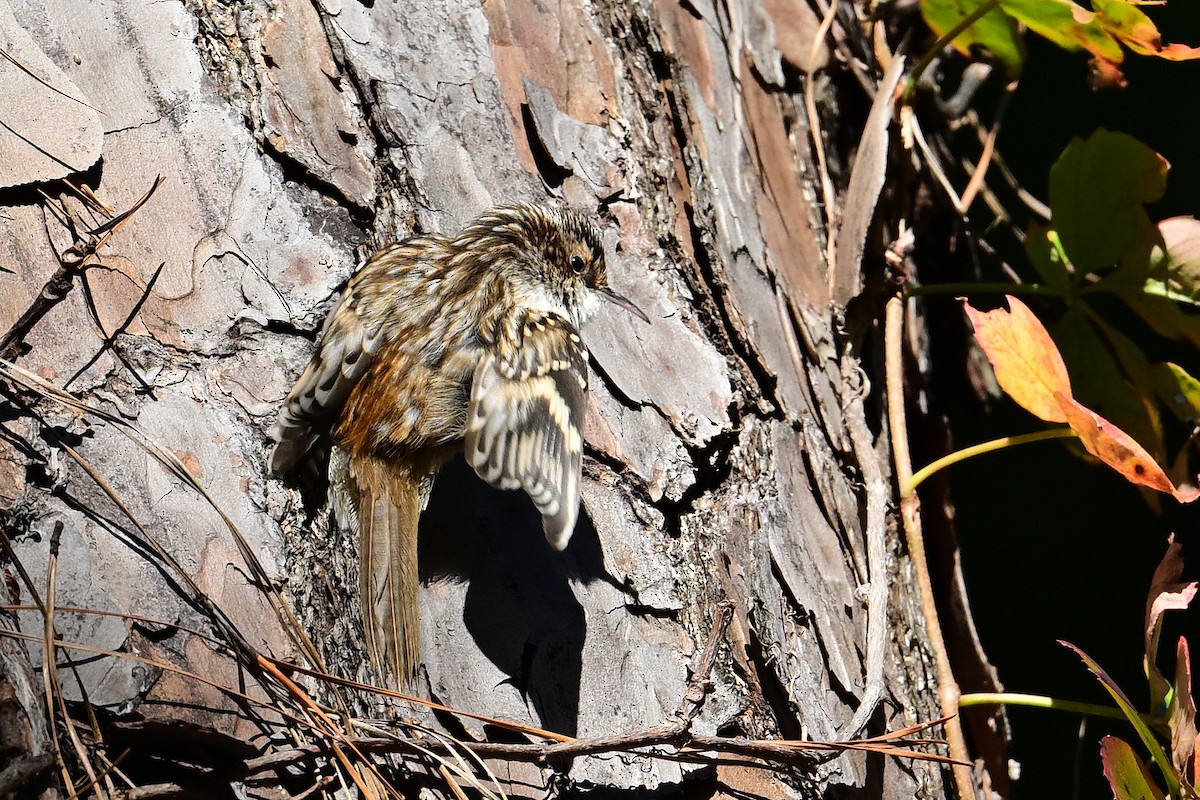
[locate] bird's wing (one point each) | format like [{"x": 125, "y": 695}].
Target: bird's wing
[
  {"x": 349, "y": 342},
  {"x": 525, "y": 420}
]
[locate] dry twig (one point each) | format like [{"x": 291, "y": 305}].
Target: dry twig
[{"x": 71, "y": 263}]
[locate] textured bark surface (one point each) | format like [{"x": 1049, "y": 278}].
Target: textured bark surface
[{"x": 721, "y": 466}]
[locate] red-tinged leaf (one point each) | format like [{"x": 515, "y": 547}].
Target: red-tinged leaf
[
  {"x": 1127, "y": 775},
  {"x": 1166, "y": 593},
  {"x": 1101, "y": 31},
  {"x": 1175, "y": 598},
  {"x": 1179, "y": 52},
  {"x": 1028, "y": 366},
  {"x": 1183, "y": 713},
  {"x": 1126, "y": 23},
  {"x": 1097, "y": 189},
  {"x": 1116, "y": 448}
]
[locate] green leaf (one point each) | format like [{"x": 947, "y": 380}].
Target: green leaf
[
  {"x": 1127, "y": 775},
  {"x": 1164, "y": 261},
  {"x": 1097, "y": 189},
  {"x": 995, "y": 31},
  {"x": 1139, "y": 373},
  {"x": 1148, "y": 739},
  {"x": 1068, "y": 25},
  {"x": 1126, "y": 22},
  {"x": 1157, "y": 288},
  {"x": 1100, "y": 30},
  {"x": 1178, "y": 391},
  {"x": 1163, "y": 315},
  {"x": 1112, "y": 379},
  {"x": 1167, "y": 257}
]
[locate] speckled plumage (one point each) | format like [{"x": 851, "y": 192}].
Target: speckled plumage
[{"x": 440, "y": 341}]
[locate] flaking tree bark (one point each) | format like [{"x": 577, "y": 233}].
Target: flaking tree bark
[{"x": 734, "y": 450}]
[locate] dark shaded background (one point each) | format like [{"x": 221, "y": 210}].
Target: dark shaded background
[{"x": 1053, "y": 547}]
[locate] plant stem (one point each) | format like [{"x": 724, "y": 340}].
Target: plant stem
[
  {"x": 910, "y": 514},
  {"x": 978, "y": 449},
  {"x": 1038, "y": 701}
]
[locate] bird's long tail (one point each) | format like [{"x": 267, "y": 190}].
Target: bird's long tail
[{"x": 389, "y": 506}]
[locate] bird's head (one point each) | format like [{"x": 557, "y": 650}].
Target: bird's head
[{"x": 553, "y": 259}]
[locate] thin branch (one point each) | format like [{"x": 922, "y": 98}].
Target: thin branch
[
  {"x": 50, "y": 690},
  {"x": 878, "y": 495},
  {"x": 171, "y": 462},
  {"x": 11, "y": 59},
  {"x": 989, "y": 147},
  {"x": 53, "y": 292},
  {"x": 948, "y": 691},
  {"x": 675, "y": 735},
  {"x": 700, "y": 685},
  {"x": 72, "y": 262},
  {"x": 111, "y": 338}
]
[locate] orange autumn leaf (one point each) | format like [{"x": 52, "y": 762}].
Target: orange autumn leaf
[
  {"x": 1030, "y": 369},
  {"x": 1028, "y": 366},
  {"x": 1128, "y": 24},
  {"x": 1118, "y": 450},
  {"x": 1178, "y": 52}
]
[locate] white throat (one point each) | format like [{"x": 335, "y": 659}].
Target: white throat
[{"x": 539, "y": 297}]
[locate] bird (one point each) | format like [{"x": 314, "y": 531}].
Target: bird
[{"x": 440, "y": 344}]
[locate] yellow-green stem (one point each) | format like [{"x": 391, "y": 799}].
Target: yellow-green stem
[
  {"x": 1038, "y": 701},
  {"x": 978, "y": 449}
]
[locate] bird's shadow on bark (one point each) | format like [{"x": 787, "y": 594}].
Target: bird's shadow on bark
[{"x": 519, "y": 608}]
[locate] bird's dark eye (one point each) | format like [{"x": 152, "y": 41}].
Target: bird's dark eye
[{"x": 578, "y": 264}]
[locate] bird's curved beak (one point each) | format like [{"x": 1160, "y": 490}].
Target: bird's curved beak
[{"x": 623, "y": 302}]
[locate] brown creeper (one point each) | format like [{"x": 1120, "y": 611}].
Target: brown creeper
[{"x": 446, "y": 343}]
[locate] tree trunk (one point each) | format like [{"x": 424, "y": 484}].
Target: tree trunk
[{"x": 730, "y": 456}]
